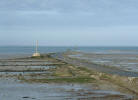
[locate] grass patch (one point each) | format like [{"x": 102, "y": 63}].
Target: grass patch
[
  {"x": 105, "y": 77},
  {"x": 64, "y": 80},
  {"x": 85, "y": 69}
]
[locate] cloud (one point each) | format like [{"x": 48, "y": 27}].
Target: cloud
[
  {"x": 69, "y": 5},
  {"x": 83, "y": 22},
  {"x": 39, "y": 14}
]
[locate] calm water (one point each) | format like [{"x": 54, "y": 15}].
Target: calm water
[
  {"x": 30, "y": 49},
  {"x": 18, "y": 51},
  {"x": 14, "y": 90}
]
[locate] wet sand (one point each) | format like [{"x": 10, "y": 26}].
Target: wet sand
[
  {"x": 60, "y": 82},
  {"x": 14, "y": 90},
  {"x": 126, "y": 62},
  {"x": 79, "y": 60}
]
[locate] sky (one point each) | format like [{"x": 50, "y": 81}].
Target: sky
[{"x": 69, "y": 22}]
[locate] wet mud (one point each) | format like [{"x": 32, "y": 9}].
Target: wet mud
[{"x": 32, "y": 79}]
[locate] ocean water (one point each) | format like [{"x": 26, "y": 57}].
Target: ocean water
[
  {"x": 11, "y": 51},
  {"x": 45, "y": 49},
  {"x": 23, "y": 51}
]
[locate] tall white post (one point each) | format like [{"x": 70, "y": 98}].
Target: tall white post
[
  {"x": 37, "y": 46},
  {"x": 36, "y": 54}
]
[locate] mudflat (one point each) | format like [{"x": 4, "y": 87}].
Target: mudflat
[{"x": 51, "y": 78}]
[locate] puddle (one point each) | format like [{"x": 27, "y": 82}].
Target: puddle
[
  {"x": 22, "y": 63},
  {"x": 41, "y": 67},
  {"x": 23, "y": 73},
  {"x": 25, "y": 68},
  {"x": 14, "y": 90}
]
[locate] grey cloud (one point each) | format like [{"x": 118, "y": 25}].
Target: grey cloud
[
  {"x": 69, "y": 5},
  {"x": 69, "y": 13}
]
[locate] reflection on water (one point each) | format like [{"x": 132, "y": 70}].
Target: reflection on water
[
  {"x": 25, "y": 69},
  {"x": 14, "y": 90},
  {"x": 23, "y": 73},
  {"x": 23, "y": 63}
]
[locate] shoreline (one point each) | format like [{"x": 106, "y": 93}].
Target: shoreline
[{"x": 65, "y": 72}]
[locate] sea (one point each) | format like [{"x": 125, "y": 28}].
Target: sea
[
  {"x": 125, "y": 58},
  {"x": 47, "y": 49},
  {"x": 12, "y": 51}
]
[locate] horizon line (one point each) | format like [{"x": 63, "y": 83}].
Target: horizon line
[{"x": 70, "y": 46}]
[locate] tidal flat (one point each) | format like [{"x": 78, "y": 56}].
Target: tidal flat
[
  {"x": 56, "y": 79},
  {"x": 126, "y": 62}
]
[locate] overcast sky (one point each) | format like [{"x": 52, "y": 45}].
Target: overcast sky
[{"x": 69, "y": 22}]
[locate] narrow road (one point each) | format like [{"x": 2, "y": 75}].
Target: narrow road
[{"x": 99, "y": 68}]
